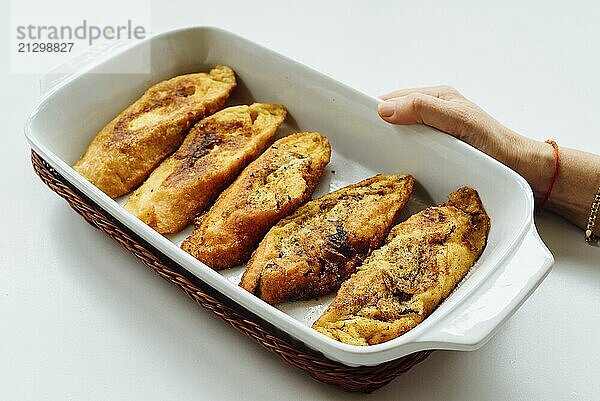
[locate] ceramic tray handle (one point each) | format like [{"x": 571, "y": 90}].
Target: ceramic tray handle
[
  {"x": 79, "y": 62},
  {"x": 473, "y": 324}
]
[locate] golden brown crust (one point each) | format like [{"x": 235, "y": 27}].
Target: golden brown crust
[
  {"x": 401, "y": 283},
  {"x": 123, "y": 154},
  {"x": 214, "y": 152},
  {"x": 270, "y": 188},
  {"x": 311, "y": 252}
]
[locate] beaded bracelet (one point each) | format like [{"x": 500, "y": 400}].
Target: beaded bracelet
[{"x": 590, "y": 237}]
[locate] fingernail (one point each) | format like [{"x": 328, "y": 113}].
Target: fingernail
[{"x": 386, "y": 109}]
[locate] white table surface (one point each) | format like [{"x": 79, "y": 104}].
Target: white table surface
[{"x": 81, "y": 319}]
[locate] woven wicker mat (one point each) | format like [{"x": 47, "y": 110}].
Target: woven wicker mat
[{"x": 362, "y": 378}]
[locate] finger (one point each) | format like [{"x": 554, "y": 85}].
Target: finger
[
  {"x": 442, "y": 92},
  {"x": 419, "y": 108}
]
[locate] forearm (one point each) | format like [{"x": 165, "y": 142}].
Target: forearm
[{"x": 577, "y": 181}]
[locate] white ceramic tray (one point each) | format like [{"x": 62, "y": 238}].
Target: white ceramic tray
[{"x": 514, "y": 262}]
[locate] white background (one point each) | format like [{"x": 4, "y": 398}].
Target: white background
[{"x": 81, "y": 319}]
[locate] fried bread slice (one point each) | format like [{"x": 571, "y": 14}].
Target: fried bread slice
[
  {"x": 312, "y": 251},
  {"x": 270, "y": 188},
  {"x": 402, "y": 282},
  {"x": 126, "y": 150},
  {"x": 210, "y": 158}
]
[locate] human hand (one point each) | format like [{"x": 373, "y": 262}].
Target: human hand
[{"x": 444, "y": 108}]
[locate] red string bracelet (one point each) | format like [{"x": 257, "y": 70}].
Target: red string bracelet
[{"x": 554, "y": 175}]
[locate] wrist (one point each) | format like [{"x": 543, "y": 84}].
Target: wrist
[{"x": 534, "y": 160}]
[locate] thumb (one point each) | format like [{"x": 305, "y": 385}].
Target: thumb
[{"x": 419, "y": 108}]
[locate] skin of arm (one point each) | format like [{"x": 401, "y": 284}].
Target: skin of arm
[{"x": 445, "y": 109}]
